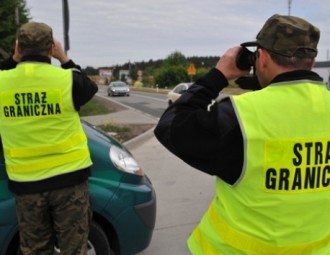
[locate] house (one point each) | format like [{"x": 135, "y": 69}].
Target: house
[{"x": 323, "y": 69}]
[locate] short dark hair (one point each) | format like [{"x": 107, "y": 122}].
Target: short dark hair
[
  {"x": 293, "y": 62},
  {"x": 29, "y": 52}
]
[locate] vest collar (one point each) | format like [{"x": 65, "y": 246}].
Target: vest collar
[
  {"x": 35, "y": 58},
  {"x": 297, "y": 75}
]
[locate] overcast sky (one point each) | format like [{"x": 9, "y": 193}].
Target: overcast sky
[{"x": 110, "y": 32}]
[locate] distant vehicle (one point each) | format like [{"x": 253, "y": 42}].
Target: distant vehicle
[
  {"x": 177, "y": 91},
  {"x": 118, "y": 88},
  {"x": 123, "y": 201}
]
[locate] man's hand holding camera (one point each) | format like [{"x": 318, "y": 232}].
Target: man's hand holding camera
[
  {"x": 227, "y": 64},
  {"x": 58, "y": 52}
]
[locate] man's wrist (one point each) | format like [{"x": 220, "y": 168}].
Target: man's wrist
[
  {"x": 70, "y": 65},
  {"x": 63, "y": 60},
  {"x": 217, "y": 78},
  {"x": 214, "y": 80}
]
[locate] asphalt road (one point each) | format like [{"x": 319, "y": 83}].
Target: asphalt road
[
  {"x": 183, "y": 193},
  {"x": 153, "y": 104}
]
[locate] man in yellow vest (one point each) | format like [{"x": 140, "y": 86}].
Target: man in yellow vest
[
  {"x": 269, "y": 149},
  {"x": 45, "y": 148}
]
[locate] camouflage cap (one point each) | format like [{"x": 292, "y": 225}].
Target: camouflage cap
[
  {"x": 34, "y": 35},
  {"x": 288, "y": 36}
]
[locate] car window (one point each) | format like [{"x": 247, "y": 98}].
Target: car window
[
  {"x": 119, "y": 84},
  {"x": 180, "y": 88}
]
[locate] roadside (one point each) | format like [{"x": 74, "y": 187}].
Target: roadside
[
  {"x": 183, "y": 196},
  {"x": 113, "y": 123},
  {"x": 123, "y": 122},
  {"x": 183, "y": 193}
]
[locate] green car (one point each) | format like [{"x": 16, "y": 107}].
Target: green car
[{"x": 123, "y": 199}]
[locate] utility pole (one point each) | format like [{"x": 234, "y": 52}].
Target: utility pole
[
  {"x": 17, "y": 13},
  {"x": 66, "y": 21},
  {"x": 289, "y": 6}
]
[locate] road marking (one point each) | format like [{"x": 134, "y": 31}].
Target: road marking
[{"x": 148, "y": 97}]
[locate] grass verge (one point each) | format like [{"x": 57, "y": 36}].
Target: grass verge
[
  {"x": 122, "y": 132},
  {"x": 94, "y": 107}
]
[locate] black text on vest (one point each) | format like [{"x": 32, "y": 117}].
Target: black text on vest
[
  {"x": 309, "y": 171},
  {"x": 31, "y": 105}
]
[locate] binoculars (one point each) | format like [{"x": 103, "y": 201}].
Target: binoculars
[{"x": 245, "y": 59}]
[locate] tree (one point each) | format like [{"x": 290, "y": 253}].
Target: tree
[
  {"x": 173, "y": 70},
  {"x": 169, "y": 76},
  {"x": 201, "y": 72},
  {"x": 175, "y": 59},
  {"x": 91, "y": 71},
  {"x": 13, "y": 13}
]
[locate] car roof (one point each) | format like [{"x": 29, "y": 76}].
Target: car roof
[{"x": 186, "y": 83}]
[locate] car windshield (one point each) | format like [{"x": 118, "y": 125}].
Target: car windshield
[
  {"x": 119, "y": 84},
  {"x": 182, "y": 87}
]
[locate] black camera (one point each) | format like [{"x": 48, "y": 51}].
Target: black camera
[
  {"x": 245, "y": 59},
  {"x": 249, "y": 82}
]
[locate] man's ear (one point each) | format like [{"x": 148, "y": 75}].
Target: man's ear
[
  {"x": 18, "y": 52},
  {"x": 263, "y": 56},
  {"x": 313, "y": 63},
  {"x": 18, "y": 47},
  {"x": 52, "y": 49}
]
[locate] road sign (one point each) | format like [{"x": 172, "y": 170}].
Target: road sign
[{"x": 191, "y": 69}]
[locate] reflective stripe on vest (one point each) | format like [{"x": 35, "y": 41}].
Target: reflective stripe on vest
[
  {"x": 245, "y": 244},
  {"x": 49, "y": 149},
  {"x": 40, "y": 164},
  {"x": 199, "y": 245}
]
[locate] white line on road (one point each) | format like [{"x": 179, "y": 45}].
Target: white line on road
[{"x": 148, "y": 97}]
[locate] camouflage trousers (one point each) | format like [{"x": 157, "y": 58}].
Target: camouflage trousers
[{"x": 58, "y": 217}]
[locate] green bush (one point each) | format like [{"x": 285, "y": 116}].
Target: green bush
[{"x": 169, "y": 76}]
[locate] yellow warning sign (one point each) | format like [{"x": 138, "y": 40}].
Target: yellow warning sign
[{"x": 191, "y": 69}]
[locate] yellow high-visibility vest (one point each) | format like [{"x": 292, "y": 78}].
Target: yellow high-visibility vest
[
  {"x": 40, "y": 129},
  {"x": 281, "y": 203}
]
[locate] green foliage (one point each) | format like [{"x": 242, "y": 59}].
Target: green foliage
[
  {"x": 91, "y": 71},
  {"x": 175, "y": 59},
  {"x": 173, "y": 70},
  {"x": 201, "y": 72},
  {"x": 169, "y": 76},
  {"x": 156, "y": 69},
  {"x": 203, "y": 62},
  {"x": 13, "y": 13},
  {"x": 148, "y": 81}
]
